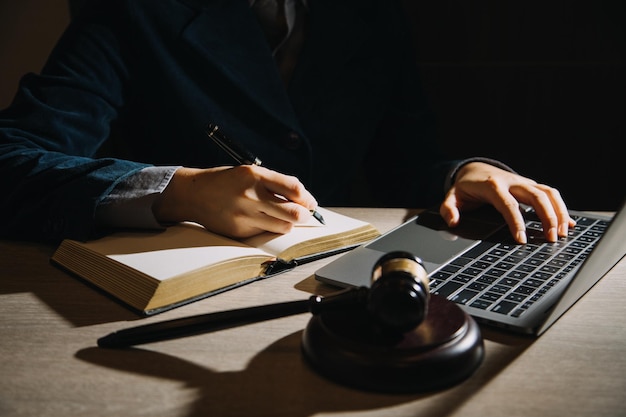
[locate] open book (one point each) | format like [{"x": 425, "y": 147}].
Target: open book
[{"x": 156, "y": 271}]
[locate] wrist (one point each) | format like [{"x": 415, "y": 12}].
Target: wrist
[{"x": 173, "y": 204}]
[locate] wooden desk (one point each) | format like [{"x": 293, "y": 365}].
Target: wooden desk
[{"x": 50, "y": 365}]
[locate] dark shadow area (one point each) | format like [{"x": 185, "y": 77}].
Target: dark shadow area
[
  {"x": 75, "y": 6},
  {"x": 264, "y": 389},
  {"x": 35, "y": 274},
  {"x": 537, "y": 85}
]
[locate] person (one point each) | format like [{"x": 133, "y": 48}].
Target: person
[{"x": 111, "y": 133}]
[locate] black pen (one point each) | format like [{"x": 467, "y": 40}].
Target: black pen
[
  {"x": 349, "y": 298},
  {"x": 241, "y": 155},
  {"x": 203, "y": 323}
]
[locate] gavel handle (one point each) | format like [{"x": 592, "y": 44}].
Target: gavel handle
[{"x": 205, "y": 323}]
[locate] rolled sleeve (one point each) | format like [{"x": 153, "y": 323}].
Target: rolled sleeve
[{"x": 129, "y": 205}]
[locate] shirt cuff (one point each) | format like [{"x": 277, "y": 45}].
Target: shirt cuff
[
  {"x": 129, "y": 205},
  {"x": 451, "y": 177}
]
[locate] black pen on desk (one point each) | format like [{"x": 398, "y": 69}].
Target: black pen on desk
[
  {"x": 241, "y": 155},
  {"x": 211, "y": 322},
  {"x": 204, "y": 323}
]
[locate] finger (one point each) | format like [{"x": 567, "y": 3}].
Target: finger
[
  {"x": 498, "y": 195},
  {"x": 542, "y": 204},
  {"x": 285, "y": 197},
  {"x": 278, "y": 207},
  {"x": 247, "y": 223},
  {"x": 564, "y": 220},
  {"x": 490, "y": 192},
  {"x": 508, "y": 207},
  {"x": 449, "y": 209},
  {"x": 290, "y": 188},
  {"x": 270, "y": 223}
]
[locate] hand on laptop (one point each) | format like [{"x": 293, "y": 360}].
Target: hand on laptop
[{"x": 478, "y": 183}]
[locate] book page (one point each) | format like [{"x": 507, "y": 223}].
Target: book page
[
  {"x": 186, "y": 247},
  {"x": 179, "y": 249},
  {"x": 167, "y": 263},
  {"x": 335, "y": 224}
]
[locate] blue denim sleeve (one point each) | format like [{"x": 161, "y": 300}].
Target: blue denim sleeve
[{"x": 129, "y": 204}]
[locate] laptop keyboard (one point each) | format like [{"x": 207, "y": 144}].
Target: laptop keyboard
[{"x": 508, "y": 278}]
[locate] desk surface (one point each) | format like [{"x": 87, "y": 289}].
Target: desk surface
[{"x": 50, "y": 365}]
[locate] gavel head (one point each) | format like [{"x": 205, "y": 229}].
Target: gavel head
[{"x": 399, "y": 292}]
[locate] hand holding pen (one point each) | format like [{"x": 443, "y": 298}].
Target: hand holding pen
[
  {"x": 241, "y": 155},
  {"x": 239, "y": 202},
  {"x": 236, "y": 201}
]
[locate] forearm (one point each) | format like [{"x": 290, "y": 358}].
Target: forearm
[{"x": 49, "y": 196}]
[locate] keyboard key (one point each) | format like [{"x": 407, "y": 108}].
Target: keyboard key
[
  {"x": 506, "y": 246},
  {"x": 501, "y": 289},
  {"x": 491, "y": 296},
  {"x": 489, "y": 258},
  {"x": 584, "y": 221},
  {"x": 472, "y": 271},
  {"x": 533, "y": 262},
  {"x": 440, "y": 275},
  {"x": 482, "y": 304},
  {"x": 586, "y": 239},
  {"x": 525, "y": 268},
  {"x": 481, "y": 265},
  {"x": 461, "y": 261},
  {"x": 517, "y": 298},
  {"x": 478, "y": 286},
  {"x": 509, "y": 282},
  {"x": 498, "y": 252},
  {"x": 532, "y": 282},
  {"x": 464, "y": 297},
  {"x": 563, "y": 256},
  {"x": 557, "y": 263},
  {"x": 505, "y": 265},
  {"x": 549, "y": 269},
  {"x": 495, "y": 272},
  {"x": 525, "y": 290},
  {"x": 463, "y": 278},
  {"x": 516, "y": 274},
  {"x": 504, "y": 307},
  {"x": 448, "y": 288},
  {"x": 541, "y": 275},
  {"x": 486, "y": 279},
  {"x": 450, "y": 269}
]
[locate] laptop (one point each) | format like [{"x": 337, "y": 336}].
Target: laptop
[{"x": 520, "y": 288}]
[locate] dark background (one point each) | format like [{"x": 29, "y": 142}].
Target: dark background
[{"x": 538, "y": 85}]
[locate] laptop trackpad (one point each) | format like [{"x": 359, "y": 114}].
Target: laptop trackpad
[
  {"x": 429, "y": 238},
  {"x": 353, "y": 269}
]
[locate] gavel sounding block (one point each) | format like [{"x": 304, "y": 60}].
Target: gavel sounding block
[{"x": 348, "y": 348}]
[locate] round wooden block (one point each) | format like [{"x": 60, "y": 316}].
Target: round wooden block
[{"x": 346, "y": 347}]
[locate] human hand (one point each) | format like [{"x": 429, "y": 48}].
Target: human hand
[
  {"x": 478, "y": 183},
  {"x": 239, "y": 201}
]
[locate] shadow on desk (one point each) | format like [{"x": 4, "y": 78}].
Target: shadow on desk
[
  {"x": 26, "y": 268},
  {"x": 278, "y": 382}
]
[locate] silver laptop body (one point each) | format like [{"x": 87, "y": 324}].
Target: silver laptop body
[{"x": 521, "y": 288}]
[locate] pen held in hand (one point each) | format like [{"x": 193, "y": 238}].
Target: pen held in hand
[{"x": 241, "y": 155}]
